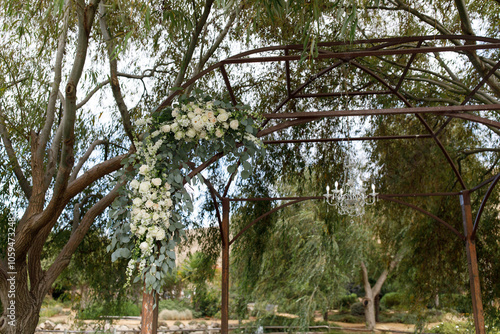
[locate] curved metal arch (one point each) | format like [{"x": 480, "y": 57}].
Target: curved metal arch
[
  {"x": 427, "y": 213},
  {"x": 483, "y": 204},
  {"x": 256, "y": 220}
]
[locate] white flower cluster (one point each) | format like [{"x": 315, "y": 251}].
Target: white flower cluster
[
  {"x": 200, "y": 120},
  {"x": 151, "y": 201}
]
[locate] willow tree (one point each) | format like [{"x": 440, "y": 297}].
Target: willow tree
[{"x": 77, "y": 74}]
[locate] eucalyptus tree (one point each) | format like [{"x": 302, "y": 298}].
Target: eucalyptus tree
[{"x": 76, "y": 75}]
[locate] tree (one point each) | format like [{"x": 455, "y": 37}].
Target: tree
[{"x": 57, "y": 150}]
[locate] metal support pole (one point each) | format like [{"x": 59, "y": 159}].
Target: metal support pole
[
  {"x": 470, "y": 245},
  {"x": 225, "y": 266},
  {"x": 149, "y": 316}
]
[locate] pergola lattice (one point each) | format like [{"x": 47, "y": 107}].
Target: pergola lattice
[{"x": 276, "y": 121}]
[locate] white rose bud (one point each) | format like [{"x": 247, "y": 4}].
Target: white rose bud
[
  {"x": 234, "y": 124},
  {"x": 137, "y": 201},
  {"x": 165, "y": 128},
  {"x": 179, "y": 135},
  {"x": 203, "y": 134},
  {"x": 156, "y": 181},
  {"x": 144, "y": 246},
  {"x": 191, "y": 133},
  {"x": 219, "y": 133}
]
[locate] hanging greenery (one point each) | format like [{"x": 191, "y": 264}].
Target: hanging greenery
[{"x": 147, "y": 216}]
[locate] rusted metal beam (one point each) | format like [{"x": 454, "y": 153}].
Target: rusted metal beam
[
  {"x": 225, "y": 267},
  {"x": 368, "y": 53},
  {"x": 389, "y": 111},
  {"x": 481, "y": 84},
  {"x": 407, "y": 68},
  {"x": 470, "y": 245},
  {"x": 483, "y": 203},
  {"x": 371, "y": 92},
  {"x": 323, "y": 140},
  {"x": 255, "y": 221}
]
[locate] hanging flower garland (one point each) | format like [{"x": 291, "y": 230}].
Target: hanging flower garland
[{"x": 147, "y": 216}]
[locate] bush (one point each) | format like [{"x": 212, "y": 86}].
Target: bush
[
  {"x": 174, "y": 304},
  {"x": 348, "y": 318},
  {"x": 347, "y": 300},
  {"x": 357, "y": 309},
  {"x": 175, "y": 315},
  {"x": 115, "y": 308},
  {"x": 392, "y": 300}
]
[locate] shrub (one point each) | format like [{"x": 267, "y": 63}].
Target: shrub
[
  {"x": 347, "y": 300},
  {"x": 115, "y": 308},
  {"x": 175, "y": 315},
  {"x": 357, "y": 309},
  {"x": 392, "y": 300}
]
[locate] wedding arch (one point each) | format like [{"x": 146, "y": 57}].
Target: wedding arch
[{"x": 333, "y": 56}]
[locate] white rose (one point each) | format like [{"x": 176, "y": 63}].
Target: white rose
[
  {"x": 221, "y": 111},
  {"x": 234, "y": 124},
  {"x": 143, "y": 169},
  {"x": 156, "y": 216},
  {"x": 144, "y": 246},
  {"x": 175, "y": 112},
  {"x": 198, "y": 111},
  {"x": 191, "y": 115},
  {"x": 191, "y": 133},
  {"x": 136, "y": 211},
  {"x": 219, "y": 133},
  {"x": 223, "y": 117},
  {"x": 156, "y": 181},
  {"x": 134, "y": 184},
  {"x": 165, "y": 128},
  {"x": 137, "y": 201},
  {"x": 204, "y": 119},
  {"x": 179, "y": 135},
  {"x": 141, "y": 230},
  {"x": 156, "y": 206},
  {"x": 203, "y": 134},
  {"x": 167, "y": 186},
  {"x": 168, "y": 203},
  {"x": 213, "y": 120},
  {"x": 210, "y": 114},
  {"x": 144, "y": 187},
  {"x": 225, "y": 125},
  {"x": 160, "y": 235},
  {"x": 149, "y": 203}
]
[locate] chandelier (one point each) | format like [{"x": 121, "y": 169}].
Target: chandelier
[{"x": 352, "y": 197}]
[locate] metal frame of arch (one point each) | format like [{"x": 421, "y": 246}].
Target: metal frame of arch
[{"x": 276, "y": 121}]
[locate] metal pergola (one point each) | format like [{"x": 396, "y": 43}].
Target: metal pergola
[{"x": 276, "y": 121}]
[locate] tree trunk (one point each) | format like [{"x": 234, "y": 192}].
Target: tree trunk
[
  {"x": 369, "y": 313},
  {"x": 23, "y": 315},
  {"x": 377, "y": 307},
  {"x": 325, "y": 315}
]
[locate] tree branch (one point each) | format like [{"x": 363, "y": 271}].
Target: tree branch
[
  {"x": 21, "y": 178},
  {"x": 51, "y": 106},
  {"x": 85, "y": 157},
  {"x": 192, "y": 45},
  {"x": 64, "y": 257},
  {"x": 113, "y": 69}
]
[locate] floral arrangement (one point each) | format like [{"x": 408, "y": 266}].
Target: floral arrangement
[{"x": 147, "y": 217}]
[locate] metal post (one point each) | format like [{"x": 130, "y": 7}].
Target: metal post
[
  {"x": 149, "y": 316},
  {"x": 225, "y": 266},
  {"x": 470, "y": 245}
]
